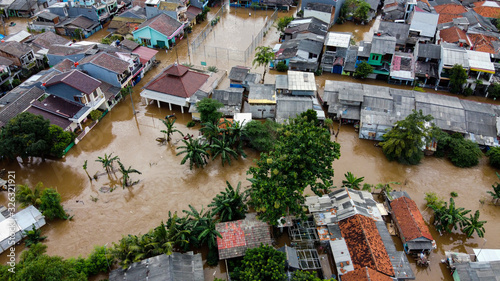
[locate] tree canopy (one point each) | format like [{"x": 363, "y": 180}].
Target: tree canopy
[
  {"x": 261, "y": 136},
  {"x": 208, "y": 110},
  {"x": 283, "y": 22},
  {"x": 406, "y": 140},
  {"x": 461, "y": 152},
  {"x": 263, "y": 56},
  {"x": 263, "y": 263},
  {"x": 494, "y": 156},
  {"x": 357, "y": 9},
  {"x": 301, "y": 157},
  {"x": 458, "y": 77},
  {"x": 363, "y": 70}
]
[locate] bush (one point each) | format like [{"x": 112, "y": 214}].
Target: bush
[
  {"x": 468, "y": 91},
  {"x": 463, "y": 153},
  {"x": 213, "y": 69},
  {"x": 432, "y": 199},
  {"x": 454, "y": 194},
  {"x": 318, "y": 72},
  {"x": 494, "y": 155},
  {"x": 95, "y": 114},
  {"x": 363, "y": 70},
  {"x": 191, "y": 124},
  {"x": 281, "y": 66},
  {"x": 98, "y": 261},
  {"x": 212, "y": 258}
]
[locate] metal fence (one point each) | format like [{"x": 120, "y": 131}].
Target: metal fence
[
  {"x": 195, "y": 44},
  {"x": 239, "y": 55}
]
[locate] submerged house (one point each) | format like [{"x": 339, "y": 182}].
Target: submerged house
[
  {"x": 160, "y": 31},
  {"x": 301, "y": 53},
  {"x": 231, "y": 98},
  {"x": 343, "y": 99},
  {"x": 428, "y": 58},
  {"x": 261, "y": 101},
  {"x": 335, "y": 51},
  {"x": 413, "y": 231},
  {"x": 381, "y": 53},
  {"x": 240, "y": 77}
]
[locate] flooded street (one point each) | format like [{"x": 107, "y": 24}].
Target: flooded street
[{"x": 166, "y": 186}]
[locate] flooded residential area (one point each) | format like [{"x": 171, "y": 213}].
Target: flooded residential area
[{"x": 102, "y": 212}]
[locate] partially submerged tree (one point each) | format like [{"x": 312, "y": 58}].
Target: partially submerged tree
[
  {"x": 496, "y": 191},
  {"x": 169, "y": 123},
  {"x": 448, "y": 218},
  {"x": 283, "y": 22},
  {"x": 107, "y": 161},
  {"x": 33, "y": 236},
  {"x": 407, "y": 139},
  {"x": 458, "y": 77},
  {"x": 196, "y": 153},
  {"x": 229, "y": 205},
  {"x": 473, "y": 224},
  {"x": 352, "y": 181},
  {"x": 263, "y": 56},
  {"x": 27, "y": 196},
  {"x": 261, "y": 136},
  {"x": 51, "y": 206},
  {"x": 208, "y": 110},
  {"x": 126, "y": 174},
  {"x": 263, "y": 263},
  {"x": 301, "y": 157},
  {"x": 363, "y": 70},
  {"x": 494, "y": 156}
]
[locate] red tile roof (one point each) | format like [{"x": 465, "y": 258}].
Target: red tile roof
[
  {"x": 65, "y": 65},
  {"x": 177, "y": 80},
  {"x": 450, "y": 9},
  {"x": 409, "y": 219},
  {"x": 482, "y": 43},
  {"x": 444, "y": 18},
  {"x": 365, "y": 244},
  {"x": 144, "y": 53},
  {"x": 240, "y": 235},
  {"x": 106, "y": 61},
  {"x": 77, "y": 80},
  {"x": 454, "y": 35},
  {"x": 488, "y": 12},
  {"x": 365, "y": 274}
]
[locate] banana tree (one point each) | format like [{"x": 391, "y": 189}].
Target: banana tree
[{"x": 126, "y": 174}]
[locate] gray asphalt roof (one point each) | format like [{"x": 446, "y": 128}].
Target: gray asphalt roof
[
  {"x": 282, "y": 82},
  {"x": 478, "y": 271},
  {"x": 26, "y": 96},
  {"x": 364, "y": 49},
  {"x": 425, "y": 23},
  {"x": 398, "y": 30},
  {"x": 431, "y": 51},
  {"x": 238, "y": 73},
  {"x": 383, "y": 45}
]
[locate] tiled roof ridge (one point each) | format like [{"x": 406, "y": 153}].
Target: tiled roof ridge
[
  {"x": 365, "y": 234},
  {"x": 412, "y": 216},
  {"x": 50, "y": 111}
]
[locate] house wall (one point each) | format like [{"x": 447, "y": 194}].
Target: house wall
[
  {"x": 375, "y": 59},
  {"x": 64, "y": 91},
  {"x": 101, "y": 74},
  {"x": 326, "y": 17},
  {"x": 153, "y": 35},
  {"x": 337, "y": 4},
  {"x": 262, "y": 111},
  {"x": 55, "y": 59},
  {"x": 13, "y": 58}
]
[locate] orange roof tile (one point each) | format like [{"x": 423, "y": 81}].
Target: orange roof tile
[
  {"x": 450, "y": 9},
  {"x": 365, "y": 274},
  {"x": 444, "y": 17},
  {"x": 488, "y": 12},
  {"x": 409, "y": 219},
  {"x": 482, "y": 43},
  {"x": 365, "y": 244},
  {"x": 453, "y": 35}
]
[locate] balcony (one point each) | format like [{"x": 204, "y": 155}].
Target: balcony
[{"x": 124, "y": 78}]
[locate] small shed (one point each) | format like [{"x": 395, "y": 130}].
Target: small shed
[
  {"x": 292, "y": 258},
  {"x": 290, "y": 106},
  {"x": 231, "y": 98},
  {"x": 262, "y": 101},
  {"x": 301, "y": 83}
]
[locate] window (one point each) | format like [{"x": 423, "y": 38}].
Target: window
[{"x": 146, "y": 41}]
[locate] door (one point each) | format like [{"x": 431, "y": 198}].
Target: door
[
  {"x": 161, "y": 44},
  {"x": 337, "y": 69}
]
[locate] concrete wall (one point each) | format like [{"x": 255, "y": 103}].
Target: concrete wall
[{"x": 64, "y": 91}]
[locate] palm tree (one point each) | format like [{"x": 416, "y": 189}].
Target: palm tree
[
  {"x": 223, "y": 148},
  {"x": 230, "y": 204},
  {"x": 33, "y": 236},
  {"x": 126, "y": 174},
  {"x": 263, "y": 57},
  {"x": 212, "y": 131},
  {"x": 26, "y": 196},
  {"x": 351, "y": 181},
  {"x": 328, "y": 124},
  {"x": 107, "y": 161},
  {"x": 126, "y": 250},
  {"x": 178, "y": 230},
  {"x": 169, "y": 123},
  {"x": 449, "y": 218},
  {"x": 196, "y": 153},
  {"x": 473, "y": 224},
  {"x": 496, "y": 191}
]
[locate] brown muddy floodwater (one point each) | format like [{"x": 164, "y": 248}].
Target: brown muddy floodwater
[{"x": 166, "y": 186}]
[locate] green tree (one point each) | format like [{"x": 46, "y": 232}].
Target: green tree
[
  {"x": 126, "y": 174},
  {"x": 229, "y": 205},
  {"x": 406, "y": 140},
  {"x": 363, "y": 70},
  {"x": 358, "y": 9},
  {"x": 85, "y": 169},
  {"x": 328, "y": 123},
  {"x": 169, "y": 123},
  {"x": 26, "y": 135},
  {"x": 473, "y": 224},
  {"x": 496, "y": 191},
  {"x": 107, "y": 161},
  {"x": 263, "y": 56},
  {"x": 263, "y": 263},
  {"x": 301, "y": 275},
  {"x": 60, "y": 140},
  {"x": 27, "y": 196},
  {"x": 464, "y": 153},
  {"x": 361, "y": 12},
  {"x": 208, "y": 110},
  {"x": 449, "y": 218},
  {"x": 458, "y": 77},
  {"x": 494, "y": 91},
  {"x": 51, "y": 206},
  {"x": 494, "y": 157},
  {"x": 33, "y": 236},
  {"x": 281, "y": 66},
  {"x": 196, "y": 153},
  {"x": 283, "y": 22},
  {"x": 302, "y": 157},
  {"x": 261, "y": 136},
  {"x": 223, "y": 148},
  {"x": 352, "y": 181}
]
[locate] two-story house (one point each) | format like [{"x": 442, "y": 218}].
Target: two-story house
[
  {"x": 451, "y": 55},
  {"x": 80, "y": 26},
  {"x": 381, "y": 53},
  {"x": 301, "y": 53},
  {"x": 44, "y": 21},
  {"x": 335, "y": 51},
  {"x": 160, "y": 31},
  {"x": 7, "y": 70},
  {"x": 111, "y": 69},
  {"x": 21, "y": 54},
  {"x": 80, "y": 88},
  {"x": 428, "y": 58}
]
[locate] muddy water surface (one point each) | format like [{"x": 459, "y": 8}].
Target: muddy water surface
[{"x": 165, "y": 185}]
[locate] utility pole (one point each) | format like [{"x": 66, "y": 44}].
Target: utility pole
[
  {"x": 187, "y": 39},
  {"x": 131, "y": 99}
]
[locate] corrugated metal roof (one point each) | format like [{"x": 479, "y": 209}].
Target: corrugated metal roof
[
  {"x": 452, "y": 56},
  {"x": 301, "y": 81},
  {"x": 425, "y": 23},
  {"x": 480, "y": 61},
  {"x": 281, "y": 82},
  {"x": 383, "y": 45},
  {"x": 338, "y": 39}
]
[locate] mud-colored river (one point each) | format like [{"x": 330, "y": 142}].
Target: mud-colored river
[{"x": 165, "y": 185}]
